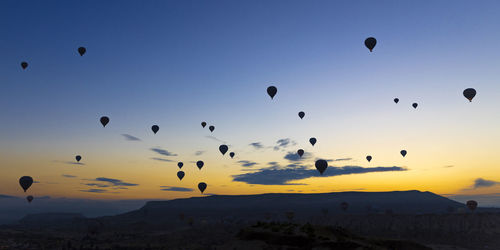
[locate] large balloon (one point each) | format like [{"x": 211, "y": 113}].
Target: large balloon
[
  {"x": 369, "y": 158},
  {"x": 29, "y": 198},
  {"x": 300, "y": 152},
  {"x": 223, "y": 149},
  {"x": 415, "y": 105},
  {"x": 24, "y": 65},
  {"x": 321, "y": 166},
  {"x": 396, "y": 100},
  {"x": 202, "y": 186},
  {"x": 370, "y": 43},
  {"x": 211, "y": 128},
  {"x": 312, "y": 140},
  {"x": 200, "y": 164},
  {"x": 469, "y": 94},
  {"x": 344, "y": 205},
  {"x": 271, "y": 91},
  {"x": 231, "y": 154},
  {"x": 180, "y": 164},
  {"x": 472, "y": 205},
  {"x": 25, "y": 182},
  {"x": 78, "y": 158},
  {"x": 180, "y": 174},
  {"x": 403, "y": 153},
  {"x": 155, "y": 128},
  {"x": 104, "y": 121},
  {"x": 203, "y": 124},
  {"x": 301, "y": 114},
  {"x": 82, "y": 50}
]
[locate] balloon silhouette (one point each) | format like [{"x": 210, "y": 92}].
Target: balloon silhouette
[
  {"x": 312, "y": 140},
  {"x": 472, "y": 205},
  {"x": 370, "y": 43},
  {"x": 203, "y": 124},
  {"x": 180, "y": 174},
  {"x": 78, "y": 158},
  {"x": 300, "y": 152},
  {"x": 321, "y": 166},
  {"x": 271, "y": 91},
  {"x": 369, "y": 158},
  {"x": 396, "y": 100},
  {"x": 211, "y": 128},
  {"x": 25, "y": 182},
  {"x": 301, "y": 114},
  {"x": 200, "y": 164},
  {"x": 24, "y": 65},
  {"x": 223, "y": 149},
  {"x": 82, "y": 50},
  {"x": 155, "y": 128},
  {"x": 231, "y": 154},
  {"x": 403, "y": 153},
  {"x": 180, "y": 164},
  {"x": 202, "y": 186},
  {"x": 344, "y": 205},
  {"x": 415, "y": 105},
  {"x": 104, "y": 121},
  {"x": 29, "y": 198},
  {"x": 469, "y": 94}
]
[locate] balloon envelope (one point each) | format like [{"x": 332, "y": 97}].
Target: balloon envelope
[
  {"x": 24, "y": 65},
  {"x": 472, "y": 205},
  {"x": 200, "y": 164},
  {"x": 370, "y": 43},
  {"x": 396, "y": 100},
  {"x": 469, "y": 94},
  {"x": 29, "y": 198},
  {"x": 203, "y": 124},
  {"x": 155, "y": 128},
  {"x": 369, "y": 158},
  {"x": 180, "y": 175},
  {"x": 104, "y": 121},
  {"x": 231, "y": 154},
  {"x": 25, "y": 182},
  {"x": 300, "y": 152},
  {"x": 271, "y": 91},
  {"x": 415, "y": 105},
  {"x": 82, "y": 50},
  {"x": 223, "y": 149},
  {"x": 301, "y": 114},
  {"x": 180, "y": 164},
  {"x": 403, "y": 153},
  {"x": 202, "y": 186},
  {"x": 321, "y": 166},
  {"x": 211, "y": 128},
  {"x": 78, "y": 158},
  {"x": 312, "y": 140}
]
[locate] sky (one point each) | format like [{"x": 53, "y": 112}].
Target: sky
[{"x": 178, "y": 63}]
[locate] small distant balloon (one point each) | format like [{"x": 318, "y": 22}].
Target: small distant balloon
[
  {"x": 415, "y": 105},
  {"x": 203, "y": 124},
  {"x": 180, "y": 164},
  {"x": 223, "y": 149},
  {"x": 469, "y": 94},
  {"x": 200, "y": 164},
  {"x": 300, "y": 152},
  {"x": 301, "y": 114},
  {"x": 104, "y": 121},
  {"x": 24, "y": 65},
  {"x": 202, "y": 186},
  {"x": 29, "y": 198},
  {"x": 271, "y": 91},
  {"x": 312, "y": 140},
  {"x": 231, "y": 154},
  {"x": 155, "y": 128},
  {"x": 180, "y": 175},
  {"x": 82, "y": 50},
  {"x": 472, "y": 205},
  {"x": 78, "y": 158},
  {"x": 369, "y": 158},
  {"x": 403, "y": 153},
  {"x": 370, "y": 43},
  {"x": 211, "y": 128},
  {"x": 321, "y": 166},
  {"x": 25, "y": 182},
  {"x": 396, "y": 100}
]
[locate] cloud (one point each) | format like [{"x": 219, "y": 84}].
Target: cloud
[
  {"x": 197, "y": 153},
  {"x": 4, "y": 196},
  {"x": 96, "y": 185},
  {"x": 114, "y": 182},
  {"x": 247, "y": 163},
  {"x": 160, "y": 159},
  {"x": 163, "y": 152},
  {"x": 176, "y": 189},
  {"x": 293, "y": 156},
  {"x": 256, "y": 145},
  {"x": 130, "y": 137},
  {"x": 75, "y": 163},
  {"x": 69, "y": 176},
  {"x": 282, "y": 176},
  {"x": 449, "y": 166},
  {"x": 341, "y": 159},
  {"x": 284, "y": 143},
  {"x": 94, "y": 190},
  {"x": 480, "y": 182},
  {"x": 214, "y": 138}
]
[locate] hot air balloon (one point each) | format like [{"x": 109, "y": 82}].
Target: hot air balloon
[
  {"x": 203, "y": 124},
  {"x": 180, "y": 164},
  {"x": 415, "y": 105},
  {"x": 211, "y": 128},
  {"x": 271, "y": 91},
  {"x": 104, "y": 121},
  {"x": 300, "y": 152},
  {"x": 25, "y": 182},
  {"x": 231, "y": 154},
  {"x": 396, "y": 100},
  {"x": 82, "y": 50},
  {"x": 78, "y": 158},
  {"x": 200, "y": 164},
  {"x": 312, "y": 140},
  {"x": 344, "y": 205},
  {"x": 370, "y": 43},
  {"x": 155, "y": 128},
  {"x": 469, "y": 94},
  {"x": 321, "y": 166},
  {"x": 24, "y": 65},
  {"x": 223, "y": 149},
  {"x": 369, "y": 158},
  {"x": 301, "y": 114},
  {"x": 403, "y": 153},
  {"x": 180, "y": 174},
  {"x": 472, "y": 205},
  {"x": 29, "y": 198},
  {"x": 202, "y": 186}
]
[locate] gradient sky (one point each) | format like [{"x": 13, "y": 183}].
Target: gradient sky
[{"x": 177, "y": 63}]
